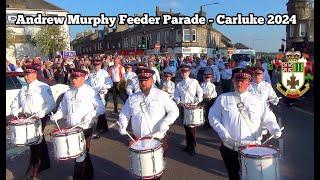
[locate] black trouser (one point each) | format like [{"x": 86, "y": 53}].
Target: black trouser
[
  {"x": 231, "y": 161},
  {"x": 39, "y": 157},
  {"x": 190, "y": 137},
  {"x": 102, "y": 124},
  {"x": 270, "y": 74},
  {"x": 84, "y": 170},
  {"x": 207, "y": 105},
  {"x": 226, "y": 85},
  {"x": 117, "y": 91}
]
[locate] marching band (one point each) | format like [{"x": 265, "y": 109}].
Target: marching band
[{"x": 239, "y": 115}]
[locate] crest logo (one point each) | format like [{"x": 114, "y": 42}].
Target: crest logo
[{"x": 293, "y": 76}]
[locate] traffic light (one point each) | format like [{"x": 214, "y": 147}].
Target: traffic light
[
  {"x": 143, "y": 43},
  {"x": 282, "y": 47}
]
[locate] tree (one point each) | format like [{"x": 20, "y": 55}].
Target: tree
[
  {"x": 49, "y": 39},
  {"x": 9, "y": 37}
]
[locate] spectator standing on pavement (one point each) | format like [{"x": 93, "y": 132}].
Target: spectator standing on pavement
[
  {"x": 168, "y": 85},
  {"x": 19, "y": 65},
  {"x": 156, "y": 76},
  {"x": 35, "y": 98},
  {"x": 81, "y": 103},
  {"x": 237, "y": 117},
  {"x": 10, "y": 67},
  {"x": 47, "y": 70}
]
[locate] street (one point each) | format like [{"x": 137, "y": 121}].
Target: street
[{"x": 110, "y": 155}]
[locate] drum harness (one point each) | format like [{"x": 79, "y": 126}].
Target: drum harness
[
  {"x": 145, "y": 112},
  {"x": 240, "y": 106}
]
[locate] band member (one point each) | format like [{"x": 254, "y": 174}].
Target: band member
[
  {"x": 226, "y": 75},
  {"x": 81, "y": 104},
  {"x": 117, "y": 74},
  {"x": 188, "y": 92},
  {"x": 237, "y": 117},
  {"x": 262, "y": 89},
  {"x": 151, "y": 110},
  {"x": 209, "y": 94},
  {"x": 167, "y": 85},
  {"x": 133, "y": 86},
  {"x": 35, "y": 98},
  {"x": 100, "y": 80}
]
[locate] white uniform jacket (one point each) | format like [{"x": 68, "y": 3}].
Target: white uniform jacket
[
  {"x": 188, "y": 91},
  {"x": 78, "y": 103},
  {"x": 226, "y": 120},
  {"x": 100, "y": 80},
  {"x": 209, "y": 90},
  {"x": 33, "y": 98},
  {"x": 265, "y": 91},
  {"x": 169, "y": 87},
  {"x": 148, "y": 112}
]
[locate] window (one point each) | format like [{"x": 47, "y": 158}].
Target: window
[
  {"x": 186, "y": 35},
  {"x": 158, "y": 37},
  {"x": 303, "y": 28},
  {"x": 166, "y": 36},
  {"x": 178, "y": 35},
  {"x": 190, "y": 35},
  {"x": 291, "y": 30},
  {"x": 194, "y": 35}
]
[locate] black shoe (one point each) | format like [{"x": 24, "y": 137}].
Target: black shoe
[
  {"x": 186, "y": 149},
  {"x": 192, "y": 153},
  {"x": 96, "y": 136}
]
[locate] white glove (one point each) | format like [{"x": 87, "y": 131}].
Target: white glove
[
  {"x": 158, "y": 135},
  {"x": 54, "y": 117},
  {"x": 277, "y": 134},
  {"x": 14, "y": 113},
  {"x": 123, "y": 131},
  {"x": 40, "y": 114},
  {"x": 163, "y": 128},
  {"x": 103, "y": 91}
]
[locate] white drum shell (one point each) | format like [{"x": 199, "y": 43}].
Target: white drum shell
[
  {"x": 193, "y": 117},
  {"x": 264, "y": 167},
  {"x": 27, "y": 133},
  {"x": 147, "y": 163},
  {"x": 70, "y": 145}
]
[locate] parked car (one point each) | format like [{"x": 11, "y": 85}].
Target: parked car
[{"x": 15, "y": 81}]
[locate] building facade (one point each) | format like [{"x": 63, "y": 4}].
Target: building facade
[
  {"x": 301, "y": 36},
  {"x": 178, "y": 40},
  {"x": 22, "y": 34}
]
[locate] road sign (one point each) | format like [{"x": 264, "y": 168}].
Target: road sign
[{"x": 157, "y": 46}]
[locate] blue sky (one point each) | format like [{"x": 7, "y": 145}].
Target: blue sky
[{"x": 265, "y": 38}]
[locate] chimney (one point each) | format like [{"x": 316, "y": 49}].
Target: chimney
[{"x": 158, "y": 13}]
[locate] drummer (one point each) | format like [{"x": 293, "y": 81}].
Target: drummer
[
  {"x": 167, "y": 85},
  {"x": 101, "y": 81},
  {"x": 237, "y": 117},
  {"x": 188, "y": 92},
  {"x": 35, "y": 98},
  {"x": 209, "y": 93},
  {"x": 81, "y": 104},
  {"x": 151, "y": 110}
]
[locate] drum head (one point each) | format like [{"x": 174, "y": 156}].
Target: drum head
[
  {"x": 145, "y": 145},
  {"x": 64, "y": 132},
  {"x": 22, "y": 121},
  {"x": 259, "y": 151}
]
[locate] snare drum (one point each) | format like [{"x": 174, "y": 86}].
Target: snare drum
[
  {"x": 147, "y": 161},
  {"x": 193, "y": 117},
  {"x": 68, "y": 144},
  {"x": 260, "y": 163},
  {"x": 25, "y": 132}
]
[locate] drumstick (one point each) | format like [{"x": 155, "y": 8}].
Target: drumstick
[
  {"x": 56, "y": 123},
  {"x": 271, "y": 137},
  {"x": 75, "y": 126},
  {"x": 127, "y": 133},
  {"x": 273, "y": 99},
  {"x": 149, "y": 141},
  {"x": 34, "y": 114}
]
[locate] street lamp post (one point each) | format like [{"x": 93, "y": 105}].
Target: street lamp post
[{"x": 208, "y": 4}]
